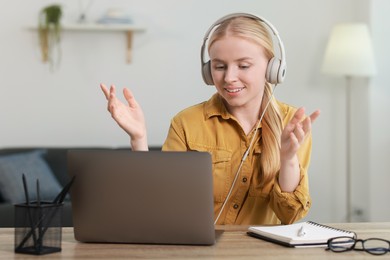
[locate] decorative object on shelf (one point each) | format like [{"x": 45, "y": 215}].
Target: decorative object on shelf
[
  {"x": 84, "y": 10},
  {"x": 349, "y": 54},
  {"x": 115, "y": 16},
  {"x": 49, "y": 29}
]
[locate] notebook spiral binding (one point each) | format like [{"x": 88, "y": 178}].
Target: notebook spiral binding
[{"x": 328, "y": 227}]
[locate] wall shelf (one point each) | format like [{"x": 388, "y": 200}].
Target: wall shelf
[{"x": 129, "y": 29}]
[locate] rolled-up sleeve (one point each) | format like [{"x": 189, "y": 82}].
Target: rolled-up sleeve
[{"x": 292, "y": 206}]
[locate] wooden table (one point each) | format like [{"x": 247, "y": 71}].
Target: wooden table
[{"x": 232, "y": 244}]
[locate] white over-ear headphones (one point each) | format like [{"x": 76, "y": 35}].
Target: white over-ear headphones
[{"x": 276, "y": 68}]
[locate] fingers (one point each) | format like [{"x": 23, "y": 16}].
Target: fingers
[
  {"x": 110, "y": 96},
  {"x": 130, "y": 98},
  {"x": 315, "y": 115},
  {"x": 299, "y": 126},
  {"x": 114, "y": 104},
  {"x": 296, "y": 131},
  {"x": 300, "y": 113},
  {"x": 108, "y": 93},
  {"x": 112, "y": 91},
  {"x": 299, "y": 132},
  {"x": 309, "y": 120},
  {"x": 295, "y": 137},
  {"x": 105, "y": 90},
  {"x": 298, "y": 116},
  {"x": 294, "y": 142}
]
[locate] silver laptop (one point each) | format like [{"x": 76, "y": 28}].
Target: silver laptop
[{"x": 154, "y": 197}]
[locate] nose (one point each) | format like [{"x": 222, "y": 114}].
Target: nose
[{"x": 231, "y": 74}]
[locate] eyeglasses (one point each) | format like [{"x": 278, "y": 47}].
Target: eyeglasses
[{"x": 375, "y": 246}]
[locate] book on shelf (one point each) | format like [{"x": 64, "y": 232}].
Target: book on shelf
[{"x": 304, "y": 234}]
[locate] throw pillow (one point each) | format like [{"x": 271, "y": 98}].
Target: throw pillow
[{"x": 34, "y": 167}]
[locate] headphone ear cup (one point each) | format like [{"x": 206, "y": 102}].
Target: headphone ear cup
[
  {"x": 272, "y": 72},
  {"x": 206, "y": 73},
  {"x": 281, "y": 72}
]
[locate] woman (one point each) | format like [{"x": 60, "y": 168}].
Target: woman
[{"x": 260, "y": 147}]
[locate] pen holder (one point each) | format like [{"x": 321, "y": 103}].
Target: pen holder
[{"x": 38, "y": 228}]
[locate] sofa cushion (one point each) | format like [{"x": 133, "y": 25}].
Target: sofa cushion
[{"x": 34, "y": 167}]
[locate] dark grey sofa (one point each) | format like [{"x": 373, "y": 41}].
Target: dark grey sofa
[{"x": 56, "y": 159}]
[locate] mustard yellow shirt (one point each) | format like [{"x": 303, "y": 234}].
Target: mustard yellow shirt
[{"x": 209, "y": 127}]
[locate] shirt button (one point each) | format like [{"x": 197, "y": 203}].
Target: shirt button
[
  {"x": 235, "y": 206},
  {"x": 244, "y": 179}
]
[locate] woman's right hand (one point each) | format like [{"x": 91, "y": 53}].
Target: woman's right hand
[{"x": 129, "y": 117}]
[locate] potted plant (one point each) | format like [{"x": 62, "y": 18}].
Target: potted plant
[{"x": 49, "y": 29}]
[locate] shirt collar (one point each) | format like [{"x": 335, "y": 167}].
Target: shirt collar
[{"x": 215, "y": 107}]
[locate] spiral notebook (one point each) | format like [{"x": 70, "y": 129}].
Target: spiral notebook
[{"x": 305, "y": 234}]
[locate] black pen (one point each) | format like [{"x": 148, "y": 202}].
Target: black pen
[
  {"x": 61, "y": 196},
  {"x": 40, "y": 238},
  {"x": 29, "y": 210},
  {"x": 38, "y": 194}
]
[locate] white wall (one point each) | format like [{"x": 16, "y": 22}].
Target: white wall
[
  {"x": 66, "y": 107},
  {"x": 379, "y": 106}
]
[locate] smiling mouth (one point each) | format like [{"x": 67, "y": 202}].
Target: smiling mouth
[{"x": 234, "y": 90}]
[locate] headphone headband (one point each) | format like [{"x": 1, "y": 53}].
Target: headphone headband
[{"x": 276, "y": 69}]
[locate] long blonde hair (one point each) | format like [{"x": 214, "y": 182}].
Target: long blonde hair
[{"x": 255, "y": 31}]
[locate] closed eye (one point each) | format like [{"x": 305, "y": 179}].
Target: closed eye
[
  {"x": 219, "y": 67},
  {"x": 244, "y": 67}
]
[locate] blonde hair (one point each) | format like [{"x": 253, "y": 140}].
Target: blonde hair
[{"x": 255, "y": 31}]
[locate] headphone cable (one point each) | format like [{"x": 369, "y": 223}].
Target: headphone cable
[{"x": 245, "y": 155}]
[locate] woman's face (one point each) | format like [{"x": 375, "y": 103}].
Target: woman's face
[{"x": 238, "y": 68}]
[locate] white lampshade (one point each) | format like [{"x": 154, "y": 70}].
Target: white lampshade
[{"x": 349, "y": 51}]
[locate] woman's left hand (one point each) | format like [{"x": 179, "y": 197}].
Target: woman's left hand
[{"x": 295, "y": 133}]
